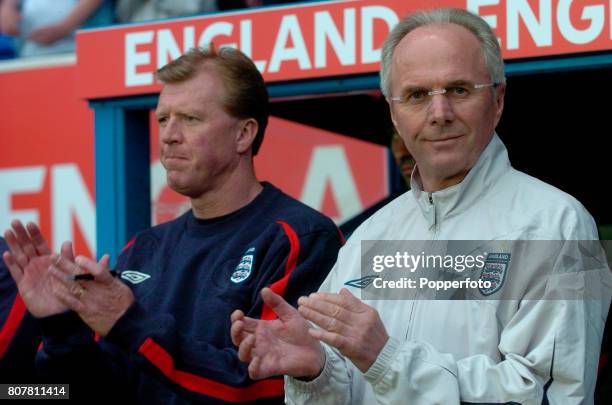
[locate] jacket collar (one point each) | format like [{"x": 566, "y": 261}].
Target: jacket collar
[{"x": 490, "y": 166}]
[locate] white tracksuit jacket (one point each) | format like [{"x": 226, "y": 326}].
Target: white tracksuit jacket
[{"x": 472, "y": 351}]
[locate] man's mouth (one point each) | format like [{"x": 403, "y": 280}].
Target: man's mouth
[
  {"x": 171, "y": 161},
  {"x": 174, "y": 157},
  {"x": 445, "y": 138}
]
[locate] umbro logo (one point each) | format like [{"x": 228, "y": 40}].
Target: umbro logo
[
  {"x": 362, "y": 282},
  {"x": 134, "y": 277}
]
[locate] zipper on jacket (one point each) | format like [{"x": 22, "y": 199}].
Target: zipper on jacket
[
  {"x": 434, "y": 236},
  {"x": 432, "y": 211}
]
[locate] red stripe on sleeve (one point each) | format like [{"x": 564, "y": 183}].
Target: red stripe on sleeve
[
  {"x": 161, "y": 359},
  {"x": 18, "y": 311},
  {"x": 280, "y": 286},
  {"x": 128, "y": 245}
]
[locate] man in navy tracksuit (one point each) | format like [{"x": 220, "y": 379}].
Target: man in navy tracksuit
[
  {"x": 19, "y": 334},
  {"x": 164, "y": 321}
]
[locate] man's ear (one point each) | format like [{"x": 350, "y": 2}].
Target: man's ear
[
  {"x": 499, "y": 95},
  {"x": 247, "y": 131},
  {"x": 391, "y": 113}
]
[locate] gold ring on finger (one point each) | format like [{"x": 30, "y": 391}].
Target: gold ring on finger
[{"x": 80, "y": 292}]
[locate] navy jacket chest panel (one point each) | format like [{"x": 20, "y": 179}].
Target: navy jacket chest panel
[
  {"x": 8, "y": 292},
  {"x": 238, "y": 266},
  {"x": 228, "y": 288}
]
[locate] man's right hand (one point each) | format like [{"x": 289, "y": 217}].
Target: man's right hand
[
  {"x": 281, "y": 346},
  {"x": 28, "y": 262}
]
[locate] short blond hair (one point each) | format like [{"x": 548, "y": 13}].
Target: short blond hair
[{"x": 246, "y": 95}]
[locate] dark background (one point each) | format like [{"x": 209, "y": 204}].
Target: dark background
[{"x": 555, "y": 126}]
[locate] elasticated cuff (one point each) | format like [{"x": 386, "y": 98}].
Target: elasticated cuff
[
  {"x": 383, "y": 361},
  {"x": 64, "y": 330},
  {"x": 127, "y": 332},
  {"x": 318, "y": 383}
]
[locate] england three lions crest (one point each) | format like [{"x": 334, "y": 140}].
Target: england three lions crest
[
  {"x": 494, "y": 271},
  {"x": 245, "y": 267}
]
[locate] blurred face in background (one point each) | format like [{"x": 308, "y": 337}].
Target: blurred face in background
[{"x": 403, "y": 158}]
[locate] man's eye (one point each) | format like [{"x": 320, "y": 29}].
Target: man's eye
[
  {"x": 161, "y": 120},
  {"x": 189, "y": 118},
  {"x": 416, "y": 95},
  {"x": 458, "y": 91}
]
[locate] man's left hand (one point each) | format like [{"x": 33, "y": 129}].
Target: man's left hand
[
  {"x": 346, "y": 323},
  {"x": 99, "y": 302}
]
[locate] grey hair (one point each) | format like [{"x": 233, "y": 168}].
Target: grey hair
[{"x": 475, "y": 24}]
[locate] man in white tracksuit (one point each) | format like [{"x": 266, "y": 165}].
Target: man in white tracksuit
[{"x": 442, "y": 74}]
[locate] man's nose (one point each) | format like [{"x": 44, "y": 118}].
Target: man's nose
[
  {"x": 441, "y": 110},
  {"x": 171, "y": 132}
]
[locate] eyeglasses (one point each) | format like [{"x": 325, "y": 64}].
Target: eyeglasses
[{"x": 419, "y": 97}]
